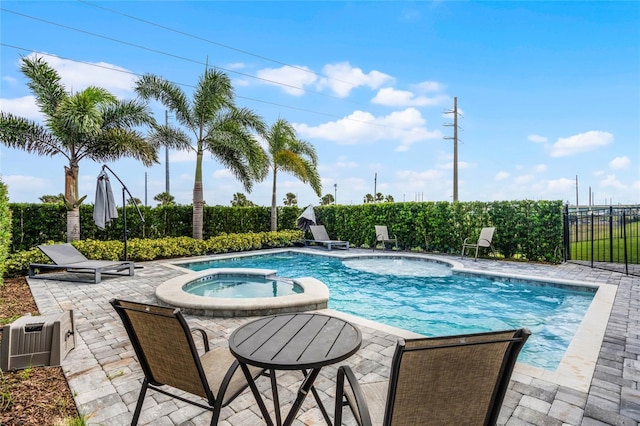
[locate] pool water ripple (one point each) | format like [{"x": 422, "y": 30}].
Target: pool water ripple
[{"x": 436, "y": 305}]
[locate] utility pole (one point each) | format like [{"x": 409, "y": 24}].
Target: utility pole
[
  {"x": 375, "y": 185},
  {"x": 455, "y": 145},
  {"x": 166, "y": 156}
]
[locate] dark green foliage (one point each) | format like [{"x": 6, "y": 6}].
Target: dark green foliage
[
  {"x": 530, "y": 230},
  {"x": 5, "y": 229},
  {"x": 160, "y": 248}
]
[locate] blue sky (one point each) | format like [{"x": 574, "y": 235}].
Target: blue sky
[{"x": 547, "y": 91}]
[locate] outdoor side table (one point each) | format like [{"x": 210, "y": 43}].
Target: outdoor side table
[{"x": 301, "y": 341}]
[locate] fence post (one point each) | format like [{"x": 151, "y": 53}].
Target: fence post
[
  {"x": 592, "y": 239},
  {"x": 611, "y": 234},
  {"x": 565, "y": 234},
  {"x": 624, "y": 241}
]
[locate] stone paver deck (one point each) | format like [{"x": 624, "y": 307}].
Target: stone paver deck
[{"x": 105, "y": 378}]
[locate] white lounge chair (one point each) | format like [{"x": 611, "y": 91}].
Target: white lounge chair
[
  {"x": 65, "y": 256},
  {"x": 485, "y": 240},
  {"x": 382, "y": 236},
  {"x": 320, "y": 236}
]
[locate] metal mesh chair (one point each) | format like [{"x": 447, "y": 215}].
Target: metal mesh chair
[
  {"x": 382, "y": 236},
  {"x": 168, "y": 355},
  {"x": 452, "y": 380},
  {"x": 485, "y": 240}
]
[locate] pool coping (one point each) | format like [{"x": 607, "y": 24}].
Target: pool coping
[
  {"x": 578, "y": 364},
  {"x": 315, "y": 295}
]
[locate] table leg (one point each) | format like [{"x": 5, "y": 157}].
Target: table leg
[
  {"x": 256, "y": 394},
  {"x": 307, "y": 384},
  {"x": 276, "y": 399},
  {"x": 320, "y": 404}
]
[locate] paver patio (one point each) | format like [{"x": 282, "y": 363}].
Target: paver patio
[{"x": 105, "y": 378}]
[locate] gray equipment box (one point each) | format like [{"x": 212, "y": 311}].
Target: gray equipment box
[{"x": 34, "y": 341}]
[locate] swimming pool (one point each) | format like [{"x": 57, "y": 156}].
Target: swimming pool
[{"x": 426, "y": 298}]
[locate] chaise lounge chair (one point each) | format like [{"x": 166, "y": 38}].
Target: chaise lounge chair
[
  {"x": 320, "y": 236},
  {"x": 382, "y": 236},
  {"x": 450, "y": 380},
  {"x": 65, "y": 256},
  {"x": 167, "y": 353},
  {"x": 485, "y": 240}
]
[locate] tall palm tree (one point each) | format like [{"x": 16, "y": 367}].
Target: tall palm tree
[
  {"x": 218, "y": 126},
  {"x": 292, "y": 155},
  {"x": 89, "y": 124}
]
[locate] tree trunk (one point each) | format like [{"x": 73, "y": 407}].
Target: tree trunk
[
  {"x": 73, "y": 225},
  {"x": 274, "y": 210},
  {"x": 71, "y": 198},
  {"x": 198, "y": 196}
]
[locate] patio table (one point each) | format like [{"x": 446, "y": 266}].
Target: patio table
[{"x": 300, "y": 341}]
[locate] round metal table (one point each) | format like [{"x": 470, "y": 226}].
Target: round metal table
[{"x": 300, "y": 341}]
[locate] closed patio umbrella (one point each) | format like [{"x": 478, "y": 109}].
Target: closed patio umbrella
[
  {"x": 307, "y": 218},
  {"x": 104, "y": 208}
]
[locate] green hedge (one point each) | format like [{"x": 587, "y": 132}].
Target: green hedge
[
  {"x": 5, "y": 229},
  {"x": 526, "y": 229},
  {"x": 17, "y": 264}
]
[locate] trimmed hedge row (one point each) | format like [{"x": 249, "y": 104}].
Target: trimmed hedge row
[
  {"x": 5, "y": 229},
  {"x": 17, "y": 264},
  {"x": 526, "y": 229}
]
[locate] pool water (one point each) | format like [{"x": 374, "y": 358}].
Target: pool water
[
  {"x": 235, "y": 286},
  {"x": 424, "y": 297}
]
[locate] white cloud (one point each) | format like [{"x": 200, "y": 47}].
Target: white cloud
[
  {"x": 502, "y": 176},
  {"x": 10, "y": 80},
  {"x": 612, "y": 181},
  {"x": 461, "y": 165},
  {"x": 342, "y": 78},
  {"x": 537, "y": 138},
  {"x": 236, "y": 66},
  {"x": 523, "y": 180},
  {"x": 581, "y": 142},
  {"x": 540, "y": 168},
  {"x": 429, "y": 86},
  {"x": 619, "y": 163},
  {"x": 406, "y": 127},
  {"x": 392, "y": 97},
  {"x": 182, "y": 156},
  {"x": 560, "y": 186},
  {"x": 291, "y": 79},
  {"x": 22, "y": 107},
  {"x": 77, "y": 76}
]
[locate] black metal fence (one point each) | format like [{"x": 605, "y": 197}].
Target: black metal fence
[{"x": 606, "y": 237}]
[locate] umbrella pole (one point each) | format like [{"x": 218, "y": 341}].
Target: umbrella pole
[
  {"x": 124, "y": 207},
  {"x": 124, "y": 220}
]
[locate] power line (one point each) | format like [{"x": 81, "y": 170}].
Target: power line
[
  {"x": 172, "y": 55},
  {"x": 213, "y": 42},
  {"x": 193, "y": 87}
]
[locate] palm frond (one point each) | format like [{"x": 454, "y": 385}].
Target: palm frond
[
  {"x": 18, "y": 132},
  {"x": 117, "y": 143},
  {"x": 44, "y": 83},
  {"x": 169, "y": 94}
]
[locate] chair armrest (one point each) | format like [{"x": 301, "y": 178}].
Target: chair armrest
[
  {"x": 355, "y": 401},
  {"x": 204, "y": 336}
]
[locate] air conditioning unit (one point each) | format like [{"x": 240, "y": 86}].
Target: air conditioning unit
[{"x": 35, "y": 341}]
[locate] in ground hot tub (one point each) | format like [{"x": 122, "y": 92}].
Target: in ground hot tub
[{"x": 240, "y": 292}]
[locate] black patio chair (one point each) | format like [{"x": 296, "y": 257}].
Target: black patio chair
[{"x": 168, "y": 356}]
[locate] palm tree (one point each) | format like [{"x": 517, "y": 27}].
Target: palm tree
[
  {"x": 292, "y": 155},
  {"x": 290, "y": 199},
  {"x": 327, "y": 200},
  {"x": 218, "y": 127},
  {"x": 165, "y": 199},
  {"x": 89, "y": 124},
  {"x": 241, "y": 200}
]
